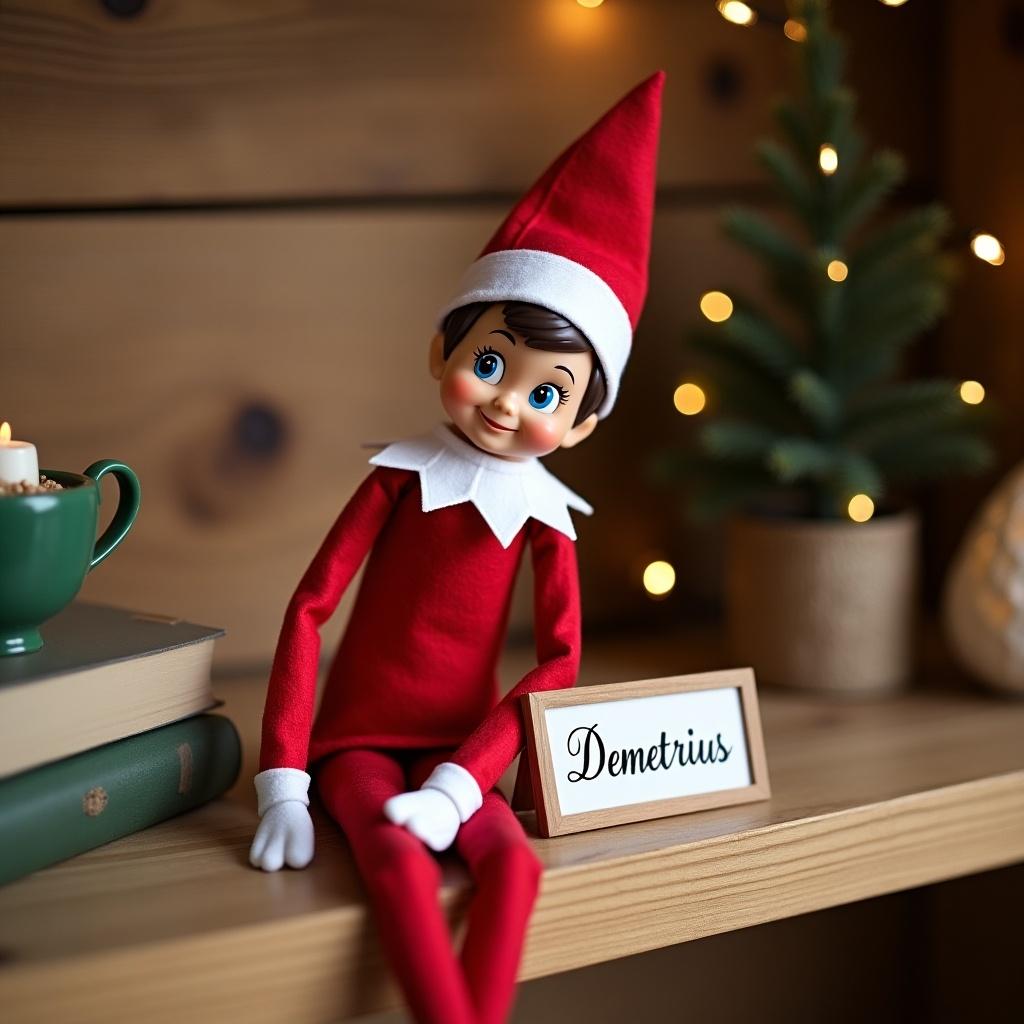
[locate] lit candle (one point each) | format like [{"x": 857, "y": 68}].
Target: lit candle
[{"x": 18, "y": 460}]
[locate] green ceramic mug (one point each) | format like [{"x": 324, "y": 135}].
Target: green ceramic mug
[{"x": 48, "y": 545}]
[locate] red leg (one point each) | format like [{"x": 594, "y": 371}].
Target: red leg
[
  {"x": 507, "y": 875},
  {"x": 402, "y": 878}
]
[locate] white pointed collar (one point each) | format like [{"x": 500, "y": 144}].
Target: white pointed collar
[{"x": 505, "y": 492}]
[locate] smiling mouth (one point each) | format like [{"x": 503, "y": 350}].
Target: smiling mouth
[{"x": 492, "y": 424}]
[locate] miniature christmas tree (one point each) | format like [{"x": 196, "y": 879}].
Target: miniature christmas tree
[{"x": 802, "y": 398}]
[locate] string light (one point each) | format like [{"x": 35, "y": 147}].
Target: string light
[
  {"x": 861, "y": 508},
  {"x": 590, "y": 3},
  {"x": 988, "y": 248},
  {"x": 837, "y": 270},
  {"x": 795, "y": 31},
  {"x": 737, "y": 12},
  {"x": 972, "y": 392},
  {"x": 689, "y": 399},
  {"x": 828, "y": 159},
  {"x": 716, "y": 306},
  {"x": 659, "y": 579}
]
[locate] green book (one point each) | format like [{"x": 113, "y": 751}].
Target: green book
[{"x": 65, "y": 808}]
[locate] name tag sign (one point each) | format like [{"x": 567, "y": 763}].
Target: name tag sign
[{"x": 605, "y": 755}]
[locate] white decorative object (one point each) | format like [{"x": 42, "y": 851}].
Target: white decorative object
[
  {"x": 506, "y": 492},
  {"x": 18, "y": 460},
  {"x": 984, "y": 599},
  {"x": 605, "y": 755}
]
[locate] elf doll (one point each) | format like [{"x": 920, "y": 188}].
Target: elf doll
[{"x": 411, "y": 739}]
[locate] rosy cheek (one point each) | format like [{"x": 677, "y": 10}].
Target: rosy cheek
[
  {"x": 542, "y": 433},
  {"x": 460, "y": 388}
]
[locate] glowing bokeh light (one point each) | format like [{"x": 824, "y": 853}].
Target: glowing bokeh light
[
  {"x": 689, "y": 399},
  {"x": 737, "y": 12},
  {"x": 861, "y": 508},
  {"x": 828, "y": 159},
  {"x": 972, "y": 392},
  {"x": 659, "y": 579},
  {"x": 988, "y": 248},
  {"x": 716, "y": 306},
  {"x": 794, "y": 30}
]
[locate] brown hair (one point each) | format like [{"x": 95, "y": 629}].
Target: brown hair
[{"x": 541, "y": 329}]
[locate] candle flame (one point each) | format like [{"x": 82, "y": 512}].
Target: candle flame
[{"x": 5, "y": 432}]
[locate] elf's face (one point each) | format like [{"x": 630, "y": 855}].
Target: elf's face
[{"x": 507, "y": 399}]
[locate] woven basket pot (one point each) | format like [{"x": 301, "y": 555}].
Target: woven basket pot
[{"x": 824, "y": 605}]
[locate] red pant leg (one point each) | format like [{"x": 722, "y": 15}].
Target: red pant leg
[
  {"x": 507, "y": 876},
  {"x": 402, "y": 878}
]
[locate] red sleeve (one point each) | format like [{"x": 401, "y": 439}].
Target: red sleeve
[
  {"x": 291, "y": 692},
  {"x": 493, "y": 745}
]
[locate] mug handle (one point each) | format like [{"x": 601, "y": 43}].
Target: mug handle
[{"x": 129, "y": 497}]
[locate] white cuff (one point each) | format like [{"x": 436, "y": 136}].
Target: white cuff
[
  {"x": 459, "y": 786},
  {"x": 276, "y": 785}
]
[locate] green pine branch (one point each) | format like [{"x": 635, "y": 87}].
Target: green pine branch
[
  {"x": 737, "y": 385},
  {"x": 775, "y": 248},
  {"x": 818, "y": 400},
  {"x": 837, "y": 124},
  {"x": 796, "y": 128},
  {"x": 886, "y": 287},
  {"x": 856, "y": 473},
  {"x": 916, "y": 458},
  {"x": 754, "y": 334},
  {"x": 916, "y": 233},
  {"x": 866, "y": 192},
  {"x": 737, "y": 441},
  {"x": 874, "y": 342},
  {"x": 792, "y": 183},
  {"x": 823, "y": 57},
  {"x": 903, "y": 410},
  {"x": 793, "y": 459}
]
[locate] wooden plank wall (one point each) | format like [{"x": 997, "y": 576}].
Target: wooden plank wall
[
  {"x": 983, "y": 167},
  {"x": 226, "y": 227}
]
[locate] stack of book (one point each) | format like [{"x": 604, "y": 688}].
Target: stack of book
[{"x": 105, "y": 732}]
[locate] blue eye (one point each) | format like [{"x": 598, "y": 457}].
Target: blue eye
[
  {"x": 489, "y": 366},
  {"x": 545, "y": 398}
]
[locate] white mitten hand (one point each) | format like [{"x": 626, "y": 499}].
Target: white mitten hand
[
  {"x": 433, "y": 814},
  {"x": 285, "y": 833},
  {"x": 428, "y": 814}
]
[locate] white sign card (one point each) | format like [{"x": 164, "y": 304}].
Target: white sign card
[{"x": 604, "y": 755}]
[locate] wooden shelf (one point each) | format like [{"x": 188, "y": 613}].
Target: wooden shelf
[{"x": 868, "y": 798}]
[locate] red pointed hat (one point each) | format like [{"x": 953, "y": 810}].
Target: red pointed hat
[{"x": 578, "y": 242}]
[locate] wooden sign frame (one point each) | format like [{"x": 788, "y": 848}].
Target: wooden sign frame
[{"x": 550, "y": 819}]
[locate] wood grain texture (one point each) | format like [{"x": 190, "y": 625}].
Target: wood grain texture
[
  {"x": 192, "y": 101},
  {"x": 156, "y": 338},
  {"x": 867, "y": 799}
]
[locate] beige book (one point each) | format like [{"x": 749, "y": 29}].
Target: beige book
[{"x": 103, "y": 674}]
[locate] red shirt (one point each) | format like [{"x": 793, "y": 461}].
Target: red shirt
[{"x": 417, "y": 664}]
